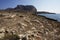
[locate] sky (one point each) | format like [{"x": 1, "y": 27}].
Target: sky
[{"x": 41, "y": 5}]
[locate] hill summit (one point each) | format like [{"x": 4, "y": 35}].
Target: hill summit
[{"x": 23, "y": 8}]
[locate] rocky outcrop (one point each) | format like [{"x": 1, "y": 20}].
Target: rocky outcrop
[
  {"x": 24, "y": 9},
  {"x": 28, "y": 27}
]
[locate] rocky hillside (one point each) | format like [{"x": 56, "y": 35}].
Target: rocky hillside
[{"x": 27, "y": 26}]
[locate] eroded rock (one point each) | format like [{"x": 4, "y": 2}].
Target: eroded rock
[{"x": 28, "y": 26}]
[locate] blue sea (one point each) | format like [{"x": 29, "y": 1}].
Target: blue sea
[{"x": 53, "y": 16}]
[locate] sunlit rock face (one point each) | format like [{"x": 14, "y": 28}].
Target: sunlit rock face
[{"x": 21, "y": 26}]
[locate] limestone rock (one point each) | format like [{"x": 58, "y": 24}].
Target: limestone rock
[{"x": 27, "y": 26}]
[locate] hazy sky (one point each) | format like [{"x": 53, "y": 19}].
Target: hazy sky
[{"x": 41, "y": 5}]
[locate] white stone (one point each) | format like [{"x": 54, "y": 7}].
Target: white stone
[{"x": 23, "y": 24}]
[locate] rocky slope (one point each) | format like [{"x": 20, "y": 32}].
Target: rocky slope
[{"x": 27, "y": 26}]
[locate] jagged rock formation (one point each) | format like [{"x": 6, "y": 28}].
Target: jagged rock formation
[
  {"x": 24, "y": 9},
  {"x": 28, "y": 27}
]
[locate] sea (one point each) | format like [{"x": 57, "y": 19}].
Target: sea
[{"x": 52, "y": 16}]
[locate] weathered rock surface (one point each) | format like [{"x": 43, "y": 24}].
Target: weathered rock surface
[{"x": 27, "y": 26}]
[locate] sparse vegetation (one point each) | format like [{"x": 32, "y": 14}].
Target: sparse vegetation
[{"x": 26, "y": 26}]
